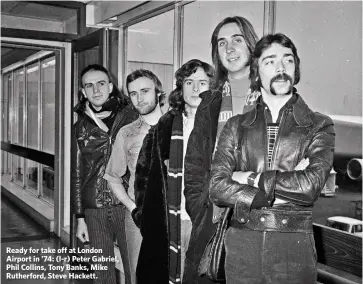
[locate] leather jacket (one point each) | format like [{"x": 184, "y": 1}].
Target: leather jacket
[
  {"x": 242, "y": 146},
  {"x": 91, "y": 150}
]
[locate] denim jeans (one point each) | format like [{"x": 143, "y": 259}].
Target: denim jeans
[{"x": 264, "y": 257}]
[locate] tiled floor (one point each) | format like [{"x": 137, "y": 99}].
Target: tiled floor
[{"x": 20, "y": 233}]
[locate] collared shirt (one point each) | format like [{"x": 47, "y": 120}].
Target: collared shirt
[
  {"x": 125, "y": 153},
  {"x": 272, "y": 130}
]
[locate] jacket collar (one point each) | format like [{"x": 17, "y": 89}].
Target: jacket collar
[
  {"x": 301, "y": 112},
  {"x": 208, "y": 97}
]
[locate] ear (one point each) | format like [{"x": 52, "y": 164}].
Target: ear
[
  {"x": 84, "y": 93},
  {"x": 110, "y": 87}
]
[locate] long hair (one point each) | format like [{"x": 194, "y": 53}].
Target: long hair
[
  {"x": 140, "y": 73},
  {"x": 249, "y": 36},
  {"x": 264, "y": 43},
  {"x": 176, "y": 99},
  {"x": 122, "y": 99}
]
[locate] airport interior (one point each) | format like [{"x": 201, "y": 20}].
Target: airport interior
[{"x": 46, "y": 44}]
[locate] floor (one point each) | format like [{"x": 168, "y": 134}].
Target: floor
[{"x": 26, "y": 248}]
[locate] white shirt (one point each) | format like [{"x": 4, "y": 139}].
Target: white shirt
[{"x": 188, "y": 124}]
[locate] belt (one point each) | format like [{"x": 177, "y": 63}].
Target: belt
[{"x": 276, "y": 220}]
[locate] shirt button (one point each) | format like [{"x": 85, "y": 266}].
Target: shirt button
[
  {"x": 242, "y": 220},
  {"x": 262, "y": 219},
  {"x": 284, "y": 221}
]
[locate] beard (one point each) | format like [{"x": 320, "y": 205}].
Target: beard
[
  {"x": 147, "y": 108},
  {"x": 281, "y": 77}
]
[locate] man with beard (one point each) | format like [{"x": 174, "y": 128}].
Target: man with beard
[
  {"x": 144, "y": 89},
  {"x": 270, "y": 166}
]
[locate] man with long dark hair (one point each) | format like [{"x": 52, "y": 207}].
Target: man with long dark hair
[
  {"x": 233, "y": 40},
  {"x": 102, "y": 111},
  {"x": 270, "y": 166},
  {"x": 161, "y": 213}
]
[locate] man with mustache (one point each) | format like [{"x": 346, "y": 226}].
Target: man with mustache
[
  {"x": 270, "y": 166},
  {"x": 144, "y": 89}
]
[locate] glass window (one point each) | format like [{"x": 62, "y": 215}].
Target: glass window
[
  {"x": 18, "y": 169},
  {"x": 150, "y": 46},
  {"x": 48, "y": 183},
  {"x": 7, "y": 92},
  {"x": 331, "y": 62},
  {"x": 198, "y": 28},
  {"x": 48, "y": 104},
  {"x": 17, "y": 112},
  {"x": 31, "y": 182},
  {"x": 32, "y": 105}
]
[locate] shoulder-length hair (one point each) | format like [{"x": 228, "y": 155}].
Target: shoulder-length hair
[
  {"x": 249, "y": 36},
  {"x": 176, "y": 99},
  {"x": 264, "y": 43}
]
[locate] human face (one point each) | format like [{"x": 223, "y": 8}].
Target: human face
[
  {"x": 96, "y": 88},
  {"x": 143, "y": 96},
  {"x": 193, "y": 85},
  {"x": 233, "y": 51},
  {"x": 276, "y": 68}
]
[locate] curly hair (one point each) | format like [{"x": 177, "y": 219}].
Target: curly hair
[
  {"x": 176, "y": 99},
  {"x": 264, "y": 43},
  {"x": 249, "y": 36}
]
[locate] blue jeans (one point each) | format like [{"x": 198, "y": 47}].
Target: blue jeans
[{"x": 263, "y": 257}]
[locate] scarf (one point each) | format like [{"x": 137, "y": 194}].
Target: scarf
[
  {"x": 174, "y": 191},
  {"x": 226, "y": 107},
  {"x": 104, "y": 117}
]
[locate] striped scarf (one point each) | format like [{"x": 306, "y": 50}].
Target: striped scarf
[{"x": 175, "y": 172}]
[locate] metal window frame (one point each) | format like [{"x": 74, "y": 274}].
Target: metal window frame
[
  {"x": 154, "y": 8},
  {"x": 63, "y": 52}
]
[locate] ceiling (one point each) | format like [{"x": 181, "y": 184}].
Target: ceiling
[
  {"x": 11, "y": 55},
  {"x": 35, "y": 10}
]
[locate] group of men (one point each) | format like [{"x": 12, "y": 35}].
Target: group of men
[{"x": 237, "y": 135}]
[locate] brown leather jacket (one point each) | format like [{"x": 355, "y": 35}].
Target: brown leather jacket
[{"x": 243, "y": 146}]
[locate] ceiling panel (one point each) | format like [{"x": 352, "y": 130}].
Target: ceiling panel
[{"x": 35, "y": 10}]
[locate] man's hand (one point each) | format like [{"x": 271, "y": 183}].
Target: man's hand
[
  {"x": 82, "y": 231},
  {"x": 302, "y": 165},
  {"x": 241, "y": 177}
]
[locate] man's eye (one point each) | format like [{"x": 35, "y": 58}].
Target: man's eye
[
  {"x": 101, "y": 84},
  {"x": 87, "y": 86},
  {"x": 188, "y": 83},
  {"x": 269, "y": 62}
]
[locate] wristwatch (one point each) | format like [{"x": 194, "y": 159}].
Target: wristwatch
[{"x": 251, "y": 179}]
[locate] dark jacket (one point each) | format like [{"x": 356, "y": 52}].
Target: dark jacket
[
  {"x": 243, "y": 145},
  {"x": 197, "y": 165},
  {"x": 151, "y": 213},
  {"x": 91, "y": 150}
]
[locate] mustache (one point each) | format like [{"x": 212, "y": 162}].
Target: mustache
[{"x": 280, "y": 77}]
